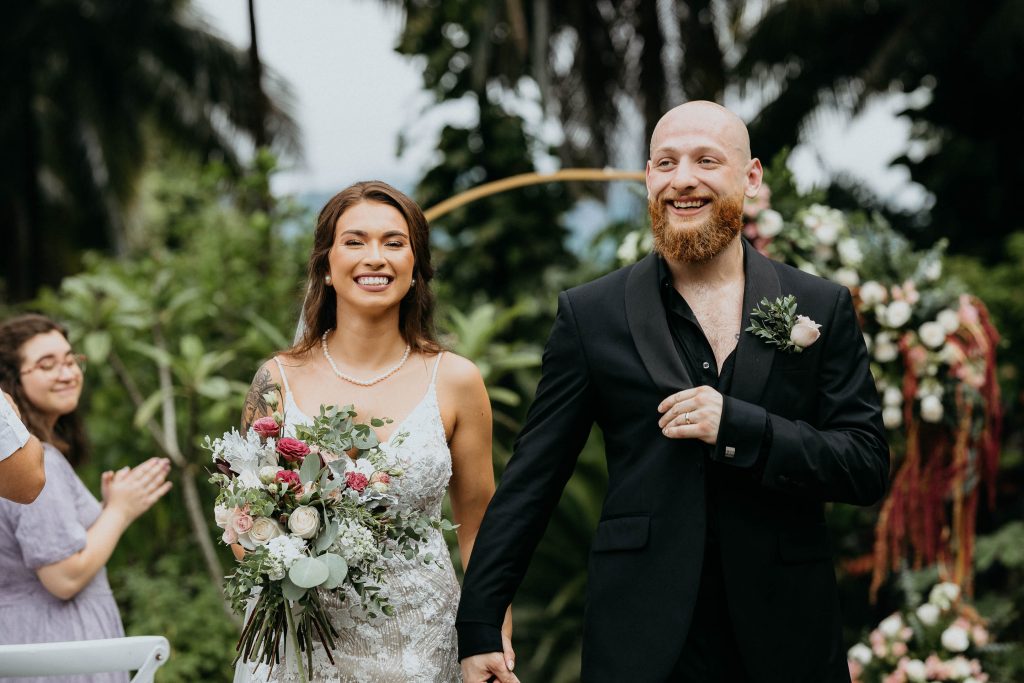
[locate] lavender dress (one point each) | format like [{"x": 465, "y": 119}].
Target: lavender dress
[{"x": 49, "y": 530}]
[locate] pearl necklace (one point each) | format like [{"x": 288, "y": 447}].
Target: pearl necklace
[{"x": 363, "y": 383}]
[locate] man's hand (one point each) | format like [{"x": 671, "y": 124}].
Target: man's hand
[
  {"x": 692, "y": 414},
  {"x": 490, "y": 666}
]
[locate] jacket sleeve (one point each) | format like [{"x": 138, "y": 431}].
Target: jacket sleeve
[
  {"x": 544, "y": 455},
  {"x": 842, "y": 454}
]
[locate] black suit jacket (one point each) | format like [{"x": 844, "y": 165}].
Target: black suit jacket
[{"x": 610, "y": 360}]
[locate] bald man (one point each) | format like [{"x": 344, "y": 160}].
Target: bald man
[{"x": 711, "y": 561}]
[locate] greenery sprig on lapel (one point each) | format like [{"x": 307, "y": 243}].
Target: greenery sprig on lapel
[{"x": 777, "y": 324}]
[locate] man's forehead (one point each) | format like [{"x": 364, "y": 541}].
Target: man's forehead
[{"x": 701, "y": 124}]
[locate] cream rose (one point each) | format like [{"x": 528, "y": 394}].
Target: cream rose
[
  {"x": 950, "y": 320},
  {"x": 928, "y": 614},
  {"x": 933, "y": 334},
  {"x": 805, "y": 332},
  {"x": 860, "y": 653},
  {"x": 221, "y": 515},
  {"x": 849, "y": 252},
  {"x": 955, "y": 639},
  {"x": 944, "y": 594},
  {"x": 872, "y": 293},
  {"x": 915, "y": 670},
  {"x": 931, "y": 408},
  {"x": 892, "y": 417},
  {"x": 847, "y": 277},
  {"x": 304, "y": 521},
  {"x": 769, "y": 223},
  {"x": 890, "y": 626},
  {"x": 268, "y": 473},
  {"x": 897, "y": 314},
  {"x": 892, "y": 397},
  {"x": 264, "y": 529}
]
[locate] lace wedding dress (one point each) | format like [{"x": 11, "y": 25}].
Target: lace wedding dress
[{"x": 418, "y": 643}]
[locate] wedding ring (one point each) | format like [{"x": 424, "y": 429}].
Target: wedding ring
[{"x": 686, "y": 417}]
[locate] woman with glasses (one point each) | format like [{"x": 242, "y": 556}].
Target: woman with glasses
[{"x": 53, "y": 552}]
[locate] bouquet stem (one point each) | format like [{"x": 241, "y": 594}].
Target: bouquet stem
[{"x": 295, "y": 640}]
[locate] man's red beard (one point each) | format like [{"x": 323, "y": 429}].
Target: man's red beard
[{"x": 696, "y": 243}]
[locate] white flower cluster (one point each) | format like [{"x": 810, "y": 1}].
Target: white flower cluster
[
  {"x": 354, "y": 543},
  {"x": 282, "y": 553},
  {"x": 636, "y": 244},
  {"x": 825, "y": 222},
  {"x": 245, "y": 455}
]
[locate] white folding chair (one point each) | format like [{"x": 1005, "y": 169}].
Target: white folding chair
[{"x": 142, "y": 654}]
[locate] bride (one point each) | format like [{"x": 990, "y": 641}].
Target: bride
[{"x": 369, "y": 341}]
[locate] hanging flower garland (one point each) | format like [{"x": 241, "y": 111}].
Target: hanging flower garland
[{"x": 932, "y": 349}]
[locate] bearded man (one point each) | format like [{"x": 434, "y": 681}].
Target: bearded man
[{"x": 711, "y": 562}]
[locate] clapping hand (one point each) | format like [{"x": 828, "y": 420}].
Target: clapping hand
[{"x": 132, "y": 491}]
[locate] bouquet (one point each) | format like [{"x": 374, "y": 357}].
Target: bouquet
[
  {"x": 934, "y": 642},
  {"x": 316, "y": 514}
]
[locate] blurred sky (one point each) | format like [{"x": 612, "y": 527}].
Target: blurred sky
[{"x": 353, "y": 94}]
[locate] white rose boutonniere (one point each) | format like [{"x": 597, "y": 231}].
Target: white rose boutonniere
[{"x": 778, "y": 324}]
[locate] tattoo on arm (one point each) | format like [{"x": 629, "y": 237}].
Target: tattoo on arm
[{"x": 255, "y": 404}]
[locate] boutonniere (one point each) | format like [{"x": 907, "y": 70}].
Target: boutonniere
[{"x": 778, "y": 324}]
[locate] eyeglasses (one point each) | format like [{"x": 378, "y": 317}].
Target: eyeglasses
[{"x": 50, "y": 365}]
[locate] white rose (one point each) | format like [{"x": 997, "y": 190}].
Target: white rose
[
  {"x": 891, "y": 626},
  {"x": 897, "y": 314},
  {"x": 221, "y": 515},
  {"x": 268, "y": 472},
  {"x": 264, "y": 529},
  {"x": 304, "y": 521},
  {"x": 944, "y": 594},
  {"x": 949, "y": 319},
  {"x": 860, "y": 653},
  {"x": 849, "y": 252},
  {"x": 847, "y": 277},
  {"x": 955, "y": 639},
  {"x": 805, "y": 332},
  {"x": 959, "y": 667},
  {"x": 886, "y": 352},
  {"x": 872, "y": 293},
  {"x": 933, "y": 334},
  {"x": 933, "y": 271},
  {"x": 769, "y": 223},
  {"x": 827, "y": 233},
  {"x": 629, "y": 250},
  {"x": 931, "y": 408},
  {"x": 928, "y": 614},
  {"x": 892, "y": 417},
  {"x": 892, "y": 397},
  {"x": 915, "y": 670}
]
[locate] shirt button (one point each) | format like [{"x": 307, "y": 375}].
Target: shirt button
[{"x": 707, "y": 365}]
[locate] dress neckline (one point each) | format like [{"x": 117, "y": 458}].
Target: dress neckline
[{"x": 294, "y": 409}]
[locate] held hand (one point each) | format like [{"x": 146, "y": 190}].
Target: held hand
[
  {"x": 506, "y": 641},
  {"x": 133, "y": 491},
  {"x": 487, "y": 667},
  {"x": 692, "y": 414}
]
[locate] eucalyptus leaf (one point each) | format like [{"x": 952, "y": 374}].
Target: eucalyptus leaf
[
  {"x": 327, "y": 536},
  {"x": 310, "y": 470},
  {"x": 291, "y": 591},
  {"x": 338, "y": 569},
  {"x": 308, "y": 572}
]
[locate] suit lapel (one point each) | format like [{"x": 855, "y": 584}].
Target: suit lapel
[
  {"x": 753, "y": 356},
  {"x": 645, "y": 315}
]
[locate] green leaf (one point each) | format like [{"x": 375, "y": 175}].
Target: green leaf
[
  {"x": 308, "y": 572},
  {"x": 337, "y": 567},
  {"x": 310, "y": 470},
  {"x": 97, "y": 346},
  {"x": 504, "y": 395},
  {"x": 215, "y": 388},
  {"x": 327, "y": 536},
  {"x": 148, "y": 409},
  {"x": 191, "y": 347},
  {"x": 291, "y": 591}
]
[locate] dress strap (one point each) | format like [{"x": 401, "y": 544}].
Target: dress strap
[
  {"x": 437, "y": 364},
  {"x": 284, "y": 378}
]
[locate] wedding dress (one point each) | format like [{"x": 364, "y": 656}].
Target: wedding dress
[{"x": 418, "y": 643}]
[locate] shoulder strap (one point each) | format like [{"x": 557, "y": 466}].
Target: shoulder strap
[
  {"x": 284, "y": 378},
  {"x": 437, "y": 364}
]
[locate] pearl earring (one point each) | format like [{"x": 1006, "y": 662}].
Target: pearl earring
[
  {"x": 327, "y": 280},
  {"x": 412, "y": 283}
]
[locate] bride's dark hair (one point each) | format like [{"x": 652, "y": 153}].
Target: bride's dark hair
[{"x": 416, "y": 311}]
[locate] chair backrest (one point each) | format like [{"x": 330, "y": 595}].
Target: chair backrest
[{"x": 143, "y": 654}]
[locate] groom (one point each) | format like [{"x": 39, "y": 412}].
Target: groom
[{"x": 711, "y": 562}]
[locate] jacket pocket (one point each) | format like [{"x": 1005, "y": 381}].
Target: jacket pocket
[
  {"x": 804, "y": 545},
  {"x": 622, "y": 533}
]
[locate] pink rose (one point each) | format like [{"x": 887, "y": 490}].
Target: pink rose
[
  {"x": 356, "y": 481},
  {"x": 805, "y": 332},
  {"x": 229, "y": 536},
  {"x": 292, "y": 450},
  {"x": 241, "y": 523},
  {"x": 380, "y": 478},
  {"x": 291, "y": 478},
  {"x": 266, "y": 427}
]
